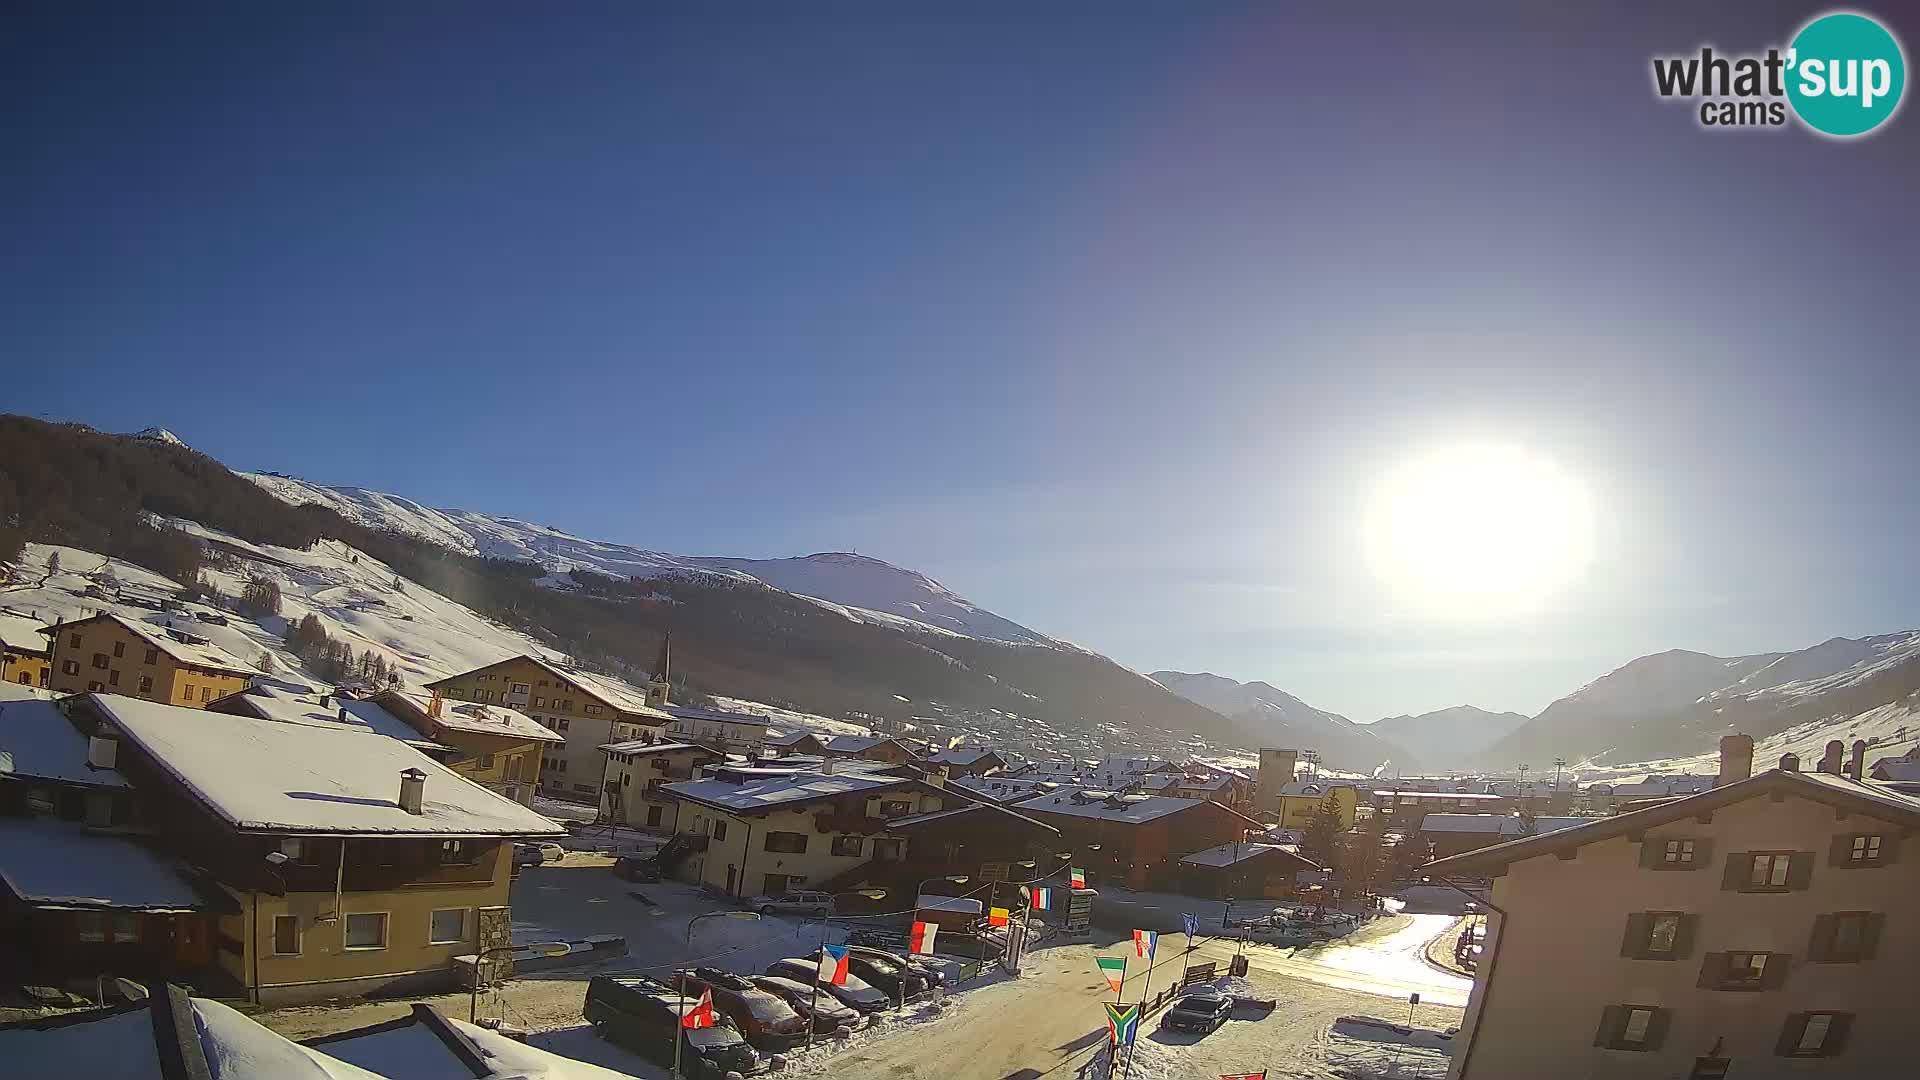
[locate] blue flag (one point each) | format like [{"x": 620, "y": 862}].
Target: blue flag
[{"x": 1192, "y": 922}]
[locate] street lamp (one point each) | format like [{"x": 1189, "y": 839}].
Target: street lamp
[
  {"x": 679, "y": 1017},
  {"x": 951, "y": 879}
]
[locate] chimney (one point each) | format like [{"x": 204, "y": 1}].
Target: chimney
[
  {"x": 1830, "y": 761},
  {"x": 323, "y": 700},
  {"x": 102, "y": 753},
  {"x": 1858, "y": 763},
  {"x": 343, "y": 714},
  {"x": 826, "y": 767},
  {"x": 1736, "y": 759},
  {"x": 1789, "y": 762},
  {"x": 413, "y": 790}
]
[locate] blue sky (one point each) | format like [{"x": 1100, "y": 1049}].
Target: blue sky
[{"x": 1109, "y": 318}]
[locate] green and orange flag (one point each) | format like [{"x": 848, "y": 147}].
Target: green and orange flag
[
  {"x": 1076, "y": 877},
  {"x": 1114, "y": 968}
]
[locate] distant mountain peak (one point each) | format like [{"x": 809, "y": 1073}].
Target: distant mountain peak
[{"x": 159, "y": 435}]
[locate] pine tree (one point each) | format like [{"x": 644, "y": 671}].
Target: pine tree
[
  {"x": 53, "y": 562},
  {"x": 1529, "y": 822},
  {"x": 1323, "y": 832}
]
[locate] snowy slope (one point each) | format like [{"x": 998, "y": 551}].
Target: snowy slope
[{"x": 862, "y": 588}]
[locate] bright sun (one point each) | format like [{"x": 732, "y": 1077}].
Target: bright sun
[{"x": 1477, "y": 531}]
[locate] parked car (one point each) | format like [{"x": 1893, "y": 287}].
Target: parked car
[
  {"x": 641, "y": 868},
  {"x": 1202, "y": 1011},
  {"x": 825, "y": 1009},
  {"x": 643, "y": 1015},
  {"x": 534, "y": 854},
  {"x": 213, "y": 618},
  {"x": 888, "y": 974},
  {"x": 928, "y": 973},
  {"x": 817, "y": 905},
  {"x": 767, "y": 1021},
  {"x": 855, "y": 992}
]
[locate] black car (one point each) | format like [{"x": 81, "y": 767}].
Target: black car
[
  {"x": 643, "y": 1015},
  {"x": 1201, "y": 1012},
  {"x": 640, "y": 868},
  {"x": 855, "y": 993},
  {"x": 928, "y": 973},
  {"x": 888, "y": 974}
]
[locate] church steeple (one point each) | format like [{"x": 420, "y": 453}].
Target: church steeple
[{"x": 657, "y": 686}]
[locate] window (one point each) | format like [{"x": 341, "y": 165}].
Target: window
[
  {"x": 91, "y": 926},
  {"x": 1678, "y": 853},
  {"x": 542, "y": 682},
  {"x": 146, "y": 684},
  {"x": 1814, "y": 1034},
  {"x": 186, "y": 692},
  {"x": 93, "y": 686},
  {"x": 562, "y": 724},
  {"x": 653, "y": 815},
  {"x": 886, "y": 848},
  {"x": 1865, "y": 848},
  {"x": 113, "y": 678},
  {"x": 539, "y": 703},
  {"x": 286, "y": 935},
  {"x": 586, "y": 788},
  {"x": 1710, "y": 1068},
  {"x": 1658, "y": 935},
  {"x": 367, "y": 930},
  {"x": 775, "y": 884},
  {"x": 100, "y": 660},
  {"x": 847, "y": 845},
  {"x": 1743, "y": 971},
  {"x": 592, "y": 709},
  {"x": 206, "y": 693},
  {"x": 447, "y": 927},
  {"x": 69, "y": 667},
  {"x": 459, "y": 852},
  {"x": 486, "y": 761},
  {"x": 896, "y": 808},
  {"x": 119, "y": 649},
  {"x": 513, "y": 767},
  {"x": 1632, "y": 1027},
  {"x": 791, "y": 843},
  {"x": 567, "y": 705},
  {"x": 1768, "y": 871},
  {"x": 126, "y": 928},
  {"x": 719, "y": 830},
  {"x": 73, "y": 640},
  {"x": 153, "y": 656},
  {"x": 1845, "y": 937},
  {"x": 1856, "y": 850}
]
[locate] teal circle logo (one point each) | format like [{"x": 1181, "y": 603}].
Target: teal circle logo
[{"x": 1845, "y": 74}]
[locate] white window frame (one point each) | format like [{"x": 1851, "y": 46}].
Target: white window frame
[
  {"x": 1644, "y": 1016},
  {"x": 346, "y": 930},
  {"x": 1803, "y": 1047},
  {"x": 299, "y": 936},
  {"x": 1865, "y": 848},
  {"x": 433, "y": 940}
]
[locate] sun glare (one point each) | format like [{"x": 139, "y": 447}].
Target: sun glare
[{"x": 1477, "y": 531}]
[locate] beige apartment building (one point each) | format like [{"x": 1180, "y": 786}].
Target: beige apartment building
[
  {"x": 1764, "y": 928},
  {"x": 636, "y": 774},
  {"x": 109, "y": 654}
]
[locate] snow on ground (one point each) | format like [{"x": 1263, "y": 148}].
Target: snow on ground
[
  {"x": 789, "y": 719},
  {"x": 1890, "y": 730},
  {"x": 1399, "y": 955}
]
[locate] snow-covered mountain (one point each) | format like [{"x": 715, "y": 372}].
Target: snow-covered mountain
[
  {"x": 1680, "y": 702},
  {"x": 861, "y": 587},
  {"x": 1277, "y": 718},
  {"x": 160, "y": 435},
  {"x": 1447, "y": 738}
]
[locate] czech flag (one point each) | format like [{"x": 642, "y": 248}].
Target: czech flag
[
  {"x": 998, "y": 916},
  {"x": 923, "y": 933},
  {"x": 833, "y": 965},
  {"x": 1144, "y": 942},
  {"x": 1042, "y": 899},
  {"x": 1076, "y": 877},
  {"x": 701, "y": 1015}
]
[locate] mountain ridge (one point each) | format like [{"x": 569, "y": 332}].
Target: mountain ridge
[{"x": 1274, "y": 717}]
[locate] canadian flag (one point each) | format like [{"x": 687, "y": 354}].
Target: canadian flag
[
  {"x": 701, "y": 1015},
  {"x": 923, "y": 934}
]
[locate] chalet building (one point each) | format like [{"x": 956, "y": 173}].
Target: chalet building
[
  {"x": 733, "y": 732},
  {"x": 1405, "y": 806},
  {"x": 109, "y": 654},
  {"x": 794, "y": 742},
  {"x": 637, "y": 772},
  {"x": 1444, "y": 835},
  {"x": 350, "y": 862},
  {"x": 588, "y": 711},
  {"x": 26, "y": 655},
  {"x": 870, "y": 748},
  {"x": 1906, "y": 767},
  {"x": 968, "y": 761},
  {"x": 1137, "y": 839},
  {"x": 497, "y": 747},
  {"x": 1243, "y": 870},
  {"x": 84, "y": 890},
  {"x": 1761, "y": 928},
  {"x": 283, "y": 702}
]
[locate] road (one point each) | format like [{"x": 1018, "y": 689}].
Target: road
[{"x": 1386, "y": 957}]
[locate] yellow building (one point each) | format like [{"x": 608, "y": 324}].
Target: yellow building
[
  {"x": 1302, "y": 798},
  {"x": 25, "y": 655},
  {"x": 353, "y": 863},
  {"x": 586, "y": 710},
  {"x": 498, "y": 748},
  {"x": 110, "y": 654}
]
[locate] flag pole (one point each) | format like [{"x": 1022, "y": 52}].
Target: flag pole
[{"x": 813, "y": 1006}]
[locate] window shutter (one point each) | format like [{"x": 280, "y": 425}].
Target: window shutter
[
  {"x": 1799, "y": 870},
  {"x": 1790, "y": 1032},
  {"x": 1870, "y": 935},
  {"x": 1634, "y": 945},
  {"x": 1702, "y": 854},
  {"x": 1820, "y": 946},
  {"x": 1775, "y": 974},
  {"x": 1837, "y": 1035},
  {"x": 1657, "y": 1029},
  {"x": 1713, "y": 970},
  {"x": 1683, "y": 941},
  {"x": 1612, "y": 1018},
  {"x": 1739, "y": 865},
  {"x": 1839, "y": 851},
  {"x": 1653, "y": 852},
  {"x": 1889, "y": 848}
]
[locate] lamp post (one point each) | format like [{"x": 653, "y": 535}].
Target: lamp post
[{"x": 680, "y": 983}]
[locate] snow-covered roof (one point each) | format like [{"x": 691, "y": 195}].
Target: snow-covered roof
[
  {"x": 852, "y": 744},
  {"x": 622, "y": 696},
  {"x": 717, "y": 716},
  {"x": 792, "y": 738},
  {"x": 1135, "y": 809},
  {"x": 1501, "y": 824},
  {"x": 1300, "y": 789},
  {"x": 13, "y": 691},
  {"x": 427, "y": 1045},
  {"x": 184, "y": 646},
  {"x": 19, "y": 633},
  {"x": 276, "y": 702},
  {"x": 962, "y": 756},
  {"x": 781, "y": 790},
  {"x": 37, "y": 740},
  {"x": 1199, "y": 783},
  {"x": 48, "y": 862},
  {"x": 297, "y": 778},
  {"x": 1403, "y": 794},
  {"x": 1657, "y": 785},
  {"x": 1231, "y": 854},
  {"x": 642, "y": 748},
  {"x": 474, "y": 717},
  {"x": 1895, "y": 768}
]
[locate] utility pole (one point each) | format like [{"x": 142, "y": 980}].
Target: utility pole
[{"x": 1558, "y": 764}]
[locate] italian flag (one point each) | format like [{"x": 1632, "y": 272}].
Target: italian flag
[
  {"x": 923, "y": 934},
  {"x": 1114, "y": 968},
  {"x": 1076, "y": 877}
]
